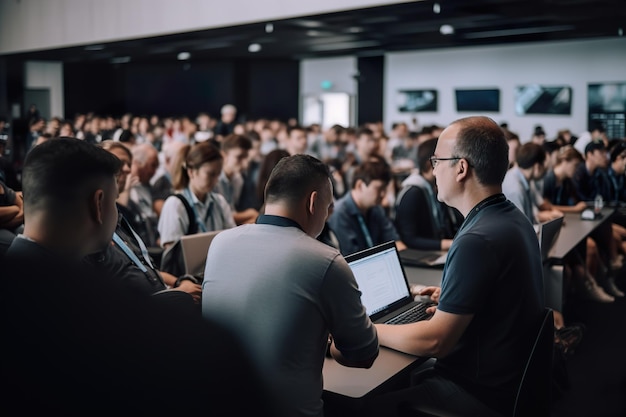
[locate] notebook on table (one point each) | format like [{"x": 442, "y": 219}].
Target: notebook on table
[
  {"x": 385, "y": 290},
  {"x": 195, "y": 249},
  {"x": 548, "y": 234},
  {"x": 423, "y": 258}
]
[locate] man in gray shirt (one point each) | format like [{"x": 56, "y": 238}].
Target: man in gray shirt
[{"x": 282, "y": 292}]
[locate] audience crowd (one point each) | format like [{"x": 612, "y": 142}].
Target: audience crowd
[{"x": 184, "y": 175}]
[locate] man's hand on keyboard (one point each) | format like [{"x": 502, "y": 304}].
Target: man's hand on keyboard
[{"x": 433, "y": 293}]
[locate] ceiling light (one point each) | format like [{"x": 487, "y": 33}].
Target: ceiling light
[
  {"x": 355, "y": 29},
  {"x": 446, "y": 29},
  {"x": 620, "y": 32},
  {"x": 183, "y": 56},
  {"x": 269, "y": 28},
  {"x": 313, "y": 33},
  {"x": 436, "y": 8},
  {"x": 254, "y": 47},
  {"x": 120, "y": 60},
  {"x": 94, "y": 47}
]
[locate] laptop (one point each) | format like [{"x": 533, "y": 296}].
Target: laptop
[
  {"x": 195, "y": 248},
  {"x": 423, "y": 258},
  {"x": 548, "y": 234},
  {"x": 384, "y": 287}
]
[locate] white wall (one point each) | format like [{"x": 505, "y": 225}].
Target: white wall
[
  {"x": 29, "y": 25},
  {"x": 339, "y": 71},
  {"x": 552, "y": 64},
  {"x": 40, "y": 74}
]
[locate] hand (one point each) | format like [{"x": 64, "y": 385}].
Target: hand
[
  {"x": 195, "y": 290},
  {"x": 434, "y": 293},
  {"x": 131, "y": 180}
]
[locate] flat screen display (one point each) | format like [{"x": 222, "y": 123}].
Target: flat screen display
[
  {"x": 540, "y": 99},
  {"x": 417, "y": 101},
  {"x": 477, "y": 100},
  {"x": 607, "y": 97}
]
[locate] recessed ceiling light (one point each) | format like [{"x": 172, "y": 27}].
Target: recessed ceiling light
[
  {"x": 269, "y": 28},
  {"x": 94, "y": 47},
  {"x": 254, "y": 47},
  {"x": 183, "y": 56},
  {"x": 446, "y": 29},
  {"x": 436, "y": 8}
]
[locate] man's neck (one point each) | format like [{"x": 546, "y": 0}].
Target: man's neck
[{"x": 359, "y": 205}]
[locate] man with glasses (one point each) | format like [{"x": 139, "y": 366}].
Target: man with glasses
[{"x": 491, "y": 295}]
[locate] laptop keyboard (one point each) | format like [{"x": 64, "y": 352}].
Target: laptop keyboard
[{"x": 412, "y": 315}]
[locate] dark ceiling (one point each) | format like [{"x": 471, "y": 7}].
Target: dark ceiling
[{"x": 372, "y": 31}]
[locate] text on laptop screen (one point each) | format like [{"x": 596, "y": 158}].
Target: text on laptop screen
[{"x": 380, "y": 279}]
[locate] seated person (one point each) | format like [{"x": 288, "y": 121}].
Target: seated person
[
  {"x": 127, "y": 258},
  {"x": 480, "y": 330},
  {"x": 422, "y": 221},
  {"x": 359, "y": 220},
  {"x": 194, "y": 179},
  {"x": 235, "y": 149},
  {"x": 75, "y": 341},
  {"x": 283, "y": 292},
  {"x": 11, "y": 215},
  {"x": 371, "y": 182}
]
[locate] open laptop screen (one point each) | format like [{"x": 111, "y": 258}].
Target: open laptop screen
[{"x": 380, "y": 277}]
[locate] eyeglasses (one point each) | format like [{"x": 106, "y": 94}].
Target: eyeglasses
[{"x": 434, "y": 160}]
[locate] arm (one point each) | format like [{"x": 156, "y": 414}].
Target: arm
[
  {"x": 355, "y": 343},
  {"x": 428, "y": 338}
]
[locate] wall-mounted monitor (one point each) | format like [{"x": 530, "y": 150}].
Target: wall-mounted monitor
[
  {"x": 607, "y": 97},
  {"x": 477, "y": 100},
  {"x": 607, "y": 106},
  {"x": 417, "y": 101},
  {"x": 540, "y": 99}
]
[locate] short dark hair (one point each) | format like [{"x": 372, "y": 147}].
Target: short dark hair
[
  {"x": 296, "y": 127},
  {"x": 374, "y": 168},
  {"x": 56, "y": 172},
  {"x": 617, "y": 148},
  {"x": 424, "y": 151},
  {"x": 530, "y": 154},
  {"x": 234, "y": 141},
  {"x": 481, "y": 141},
  {"x": 364, "y": 131},
  {"x": 294, "y": 177}
]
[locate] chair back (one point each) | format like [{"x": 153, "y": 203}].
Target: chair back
[{"x": 534, "y": 392}]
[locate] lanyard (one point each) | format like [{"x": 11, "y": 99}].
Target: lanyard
[
  {"x": 117, "y": 239},
  {"x": 201, "y": 223},
  {"x": 142, "y": 245}
]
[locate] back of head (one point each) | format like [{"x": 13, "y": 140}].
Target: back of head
[
  {"x": 294, "y": 177},
  {"x": 142, "y": 152},
  {"x": 530, "y": 154},
  {"x": 568, "y": 153},
  {"x": 375, "y": 168},
  {"x": 424, "y": 151},
  {"x": 481, "y": 141},
  {"x": 59, "y": 172},
  {"x": 617, "y": 148},
  {"x": 234, "y": 141}
]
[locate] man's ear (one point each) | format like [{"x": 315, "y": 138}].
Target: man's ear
[
  {"x": 462, "y": 169},
  {"x": 311, "y": 202},
  {"x": 96, "y": 206}
]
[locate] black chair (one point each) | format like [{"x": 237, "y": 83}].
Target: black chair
[{"x": 534, "y": 393}]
